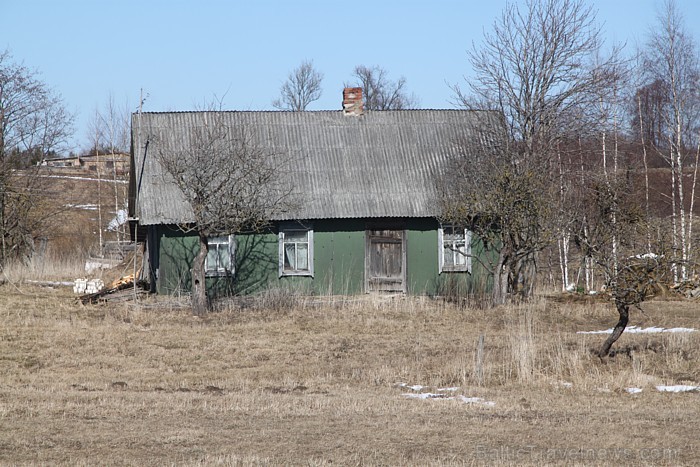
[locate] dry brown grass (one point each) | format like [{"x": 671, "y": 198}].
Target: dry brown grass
[{"x": 318, "y": 384}]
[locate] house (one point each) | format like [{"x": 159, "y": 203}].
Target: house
[
  {"x": 60, "y": 162},
  {"x": 368, "y": 221},
  {"x": 107, "y": 164}
]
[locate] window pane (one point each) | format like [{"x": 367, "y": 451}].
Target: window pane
[
  {"x": 295, "y": 236},
  {"x": 302, "y": 256},
  {"x": 460, "y": 252},
  {"x": 448, "y": 234},
  {"x": 212, "y": 258},
  {"x": 290, "y": 259},
  {"x": 224, "y": 258},
  {"x": 448, "y": 257}
]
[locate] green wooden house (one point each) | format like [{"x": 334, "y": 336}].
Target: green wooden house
[{"x": 368, "y": 220}]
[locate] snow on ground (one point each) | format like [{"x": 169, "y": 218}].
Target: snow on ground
[
  {"x": 426, "y": 395},
  {"x": 442, "y": 396},
  {"x": 638, "y": 330},
  {"x": 476, "y": 400},
  {"x": 87, "y": 179},
  {"x": 87, "y": 207},
  {"x": 678, "y": 388}
]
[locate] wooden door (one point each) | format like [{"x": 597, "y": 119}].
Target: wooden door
[{"x": 385, "y": 261}]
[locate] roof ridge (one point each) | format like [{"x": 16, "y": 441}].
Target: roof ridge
[{"x": 311, "y": 111}]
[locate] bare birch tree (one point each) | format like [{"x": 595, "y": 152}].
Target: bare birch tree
[
  {"x": 671, "y": 63},
  {"x": 303, "y": 86},
  {"x": 113, "y": 138},
  {"x": 231, "y": 183}
]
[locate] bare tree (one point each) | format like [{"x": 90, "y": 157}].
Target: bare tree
[
  {"x": 505, "y": 207},
  {"x": 537, "y": 66},
  {"x": 631, "y": 278},
  {"x": 303, "y": 86},
  {"x": 381, "y": 93},
  {"x": 33, "y": 124},
  {"x": 110, "y": 136},
  {"x": 231, "y": 183},
  {"x": 672, "y": 109}
]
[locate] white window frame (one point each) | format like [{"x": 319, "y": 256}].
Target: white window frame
[
  {"x": 296, "y": 228},
  {"x": 467, "y": 236},
  {"x": 219, "y": 241}
]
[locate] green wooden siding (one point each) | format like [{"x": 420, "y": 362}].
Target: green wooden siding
[
  {"x": 339, "y": 261},
  {"x": 422, "y": 257}
]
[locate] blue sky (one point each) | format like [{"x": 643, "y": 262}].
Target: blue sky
[{"x": 181, "y": 53}]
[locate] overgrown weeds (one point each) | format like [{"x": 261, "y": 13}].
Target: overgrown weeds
[{"x": 292, "y": 378}]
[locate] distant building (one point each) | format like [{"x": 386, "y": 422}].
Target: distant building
[
  {"x": 106, "y": 163},
  {"x": 61, "y": 162}
]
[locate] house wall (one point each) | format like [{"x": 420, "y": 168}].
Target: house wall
[
  {"x": 175, "y": 253},
  {"x": 339, "y": 261}
]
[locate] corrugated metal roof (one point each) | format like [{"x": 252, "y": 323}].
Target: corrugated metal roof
[{"x": 380, "y": 164}]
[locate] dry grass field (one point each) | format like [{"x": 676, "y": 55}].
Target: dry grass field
[{"x": 335, "y": 381}]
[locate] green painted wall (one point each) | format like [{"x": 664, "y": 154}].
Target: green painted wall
[
  {"x": 176, "y": 253},
  {"x": 339, "y": 248},
  {"x": 422, "y": 257},
  {"x": 339, "y": 261}
]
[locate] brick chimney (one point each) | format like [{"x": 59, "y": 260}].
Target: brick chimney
[{"x": 352, "y": 101}]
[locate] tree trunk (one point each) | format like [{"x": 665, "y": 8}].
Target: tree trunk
[
  {"x": 200, "y": 301},
  {"x": 624, "y": 310},
  {"x": 690, "y": 212},
  {"x": 3, "y": 252},
  {"x": 524, "y": 273},
  {"x": 500, "y": 280}
]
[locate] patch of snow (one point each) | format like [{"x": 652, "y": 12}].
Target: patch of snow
[
  {"x": 449, "y": 389},
  {"x": 89, "y": 179},
  {"x": 571, "y": 288},
  {"x": 87, "y": 207},
  {"x": 680, "y": 330},
  {"x": 565, "y": 384},
  {"x": 646, "y": 256},
  {"x": 466, "y": 400},
  {"x": 638, "y": 330},
  {"x": 476, "y": 400},
  {"x": 426, "y": 395},
  {"x": 677, "y": 388},
  {"x": 633, "y": 390}
]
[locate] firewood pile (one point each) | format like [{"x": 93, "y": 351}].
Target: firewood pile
[
  {"x": 120, "y": 289},
  {"x": 689, "y": 288}
]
